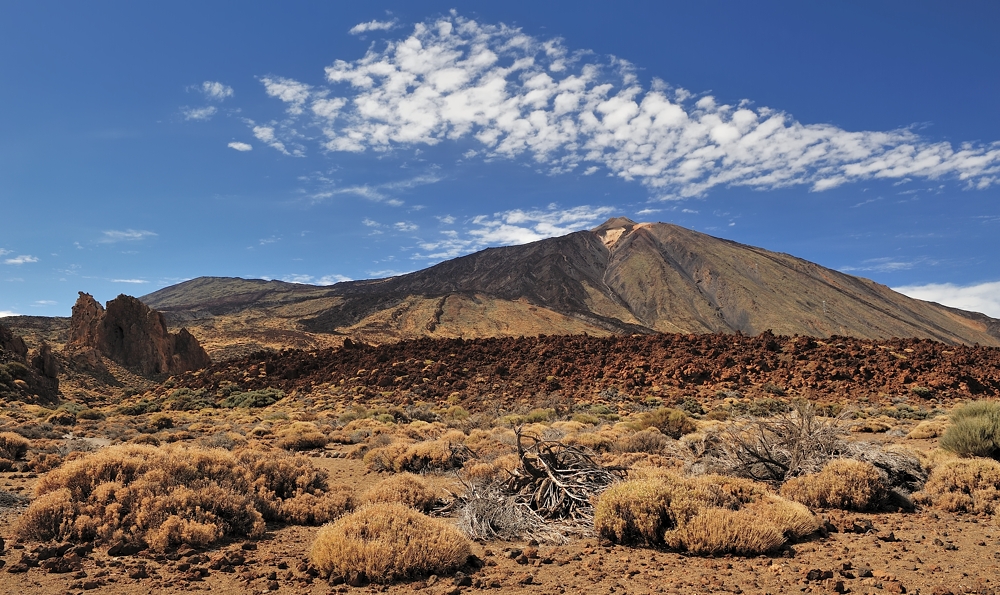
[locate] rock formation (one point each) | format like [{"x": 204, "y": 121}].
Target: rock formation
[
  {"x": 133, "y": 335},
  {"x": 26, "y": 376}
]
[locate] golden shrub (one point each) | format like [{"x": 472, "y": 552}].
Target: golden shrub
[
  {"x": 792, "y": 517},
  {"x": 312, "y": 509},
  {"x": 843, "y": 483},
  {"x": 163, "y": 497},
  {"x": 384, "y": 458},
  {"x": 929, "y": 428},
  {"x": 13, "y": 446},
  {"x": 384, "y": 542},
  {"x": 635, "y": 512},
  {"x": 704, "y": 515},
  {"x": 595, "y": 441},
  {"x": 301, "y": 435},
  {"x": 430, "y": 455},
  {"x": 967, "y": 485},
  {"x": 403, "y": 488},
  {"x": 724, "y": 531}
]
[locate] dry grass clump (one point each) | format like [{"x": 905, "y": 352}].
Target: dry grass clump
[
  {"x": 13, "y": 446},
  {"x": 301, "y": 435},
  {"x": 384, "y": 542},
  {"x": 432, "y": 455},
  {"x": 927, "y": 429},
  {"x": 603, "y": 441},
  {"x": 649, "y": 440},
  {"x": 164, "y": 497},
  {"x": 711, "y": 514},
  {"x": 403, "y": 488},
  {"x": 843, "y": 483},
  {"x": 672, "y": 422},
  {"x": 963, "y": 485}
]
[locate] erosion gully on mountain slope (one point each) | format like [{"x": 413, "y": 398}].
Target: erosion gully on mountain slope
[{"x": 513, "y": 372}]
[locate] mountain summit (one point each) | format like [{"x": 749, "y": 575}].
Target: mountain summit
[{"x": 620, "y": 277}]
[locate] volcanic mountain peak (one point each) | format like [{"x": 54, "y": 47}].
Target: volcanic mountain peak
[{"x": 620, "y": 277}]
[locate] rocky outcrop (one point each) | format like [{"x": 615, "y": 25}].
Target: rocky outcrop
[
  {"x": 26, "y": 376},
  {"x": 130, "y": 333}
]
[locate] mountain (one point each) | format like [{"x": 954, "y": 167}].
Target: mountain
[{"x": 621, "y": 277}]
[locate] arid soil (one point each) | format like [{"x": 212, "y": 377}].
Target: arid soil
[
  {"x": 925, "y": 553},
  {"x": 538, "y": 370}
]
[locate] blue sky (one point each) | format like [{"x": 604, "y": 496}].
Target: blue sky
[{"x": 143, "y": 144}]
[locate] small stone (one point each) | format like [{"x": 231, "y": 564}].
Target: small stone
[{"x": 272, "y": 585}]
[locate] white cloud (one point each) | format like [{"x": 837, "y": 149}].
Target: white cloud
[
  {"x": 983, "y": 297},
  {"x": 312, "y": 280},
  {"x": 216, "y": 91},
  {"x": 6, "y": 313},
  {"x": 372, "y": 26},
  {"x": 447, "y": 219},
  {"x": 45, "y": 303},
  {"x": 135, "y": 281},
  {"x": 22, "y": 259},
  {"x": 4, "y": 252},
  {"x": 127, "y": 235},
  {"x": 647, "y": 211},
  {"x": 199, "y": 113},
  {"x": 521, "y": 96},
  {"x": 375, "y": 193},
  {"x": 266, "y": 135},
  {"x": 291, "y": 92},
  {"x": 240, "y": 146},
  {"x": 511, "y": 228},
  {"x": 886, "y": 264},
  {"x": 405, "y": 226}
]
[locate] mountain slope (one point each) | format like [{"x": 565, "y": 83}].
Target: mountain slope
[{"x": 619, "y": 278}]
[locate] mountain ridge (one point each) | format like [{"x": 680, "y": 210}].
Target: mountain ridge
[{"x": 618, "y": 278}]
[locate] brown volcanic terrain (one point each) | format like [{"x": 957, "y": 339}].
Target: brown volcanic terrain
[
  {"x": 558, "y": 371},
  {"x": 620, "y": 278}
]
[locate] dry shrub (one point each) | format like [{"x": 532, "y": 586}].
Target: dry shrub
[
  {"x": 431, "y": 455},
  {"x": 710, "y": 514},
  {"x": 403, "y": 488},
  {"x": 724, "y": 531},
  {"x": 872, "y": 425},
  {"x": 971, "y": 485},
  {"x": 383, "y": 458},
  {"x": 672, "y": 422},
  {"x": 301, "y": 435},
  {"x": 164, "y": 497},
  {"x": 312, "y": 509},
  {"x": 930, "y": 428},
  {"x": 13, "y": 446},
  {"x": 384, "y": 542},
  {"x": 595, "y": 441},
  {"x": 649, "y": 440},
  {"x": 843, "y": 483}
]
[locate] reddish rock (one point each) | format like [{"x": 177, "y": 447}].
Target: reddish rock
[{"x": 133, "y": 335}]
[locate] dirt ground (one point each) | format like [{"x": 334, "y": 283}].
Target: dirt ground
[{"x": 922, "y": 552}]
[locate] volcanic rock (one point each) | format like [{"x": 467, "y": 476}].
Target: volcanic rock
[
  {"x": 133, "y": 335},
  {"x": 35, "y": 379}
]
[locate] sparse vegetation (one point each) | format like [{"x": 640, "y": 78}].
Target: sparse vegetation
[
  {"x": 168, "y": 496},
  {"x": 964, "y": 485},
  {"x": 383, "y": 542},
  {"x": 975, "y": 430},
  {"x": 704, "y": 515},
  {"x": 843, "y": 483}
]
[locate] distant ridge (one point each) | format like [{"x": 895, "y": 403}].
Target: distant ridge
[{"x": 621, "y": 277}]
